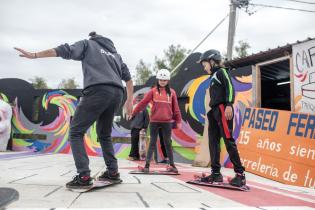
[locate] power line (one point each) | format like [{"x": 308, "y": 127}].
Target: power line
[
  {"x": 303, "y": 2},
  {"x": 204, "y": 39},
  {"x": 278, "y": 7}
]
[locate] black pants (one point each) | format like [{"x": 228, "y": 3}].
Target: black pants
[
  {"x": 162, "y": 143},
  {"x": 166, "y": 133},
  {"x": 135, "y": 136},
  {"x": 219, "y": 127},
  {"x": 99, "y": 103}
]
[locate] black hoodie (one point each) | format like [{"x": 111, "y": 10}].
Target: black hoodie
[
  {"x": 101, "y": 64},
  {"x": 221, "y": 87}
]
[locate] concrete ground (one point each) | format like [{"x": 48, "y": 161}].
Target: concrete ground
[{"x": 40, "y": 180}]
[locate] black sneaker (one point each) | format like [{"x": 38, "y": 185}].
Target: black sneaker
[
  {"x": 213, "y": 177},
  {"x": 172, "y": 169},
  {"x": 238, "y": 181},
  {"x": 107, "y": 176},
  {"x": 165, "y": 161},
  {"x": 80, "y": 182}
]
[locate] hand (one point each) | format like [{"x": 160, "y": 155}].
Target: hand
[
  {"x": 179, "y": 125},
  {"x": 129, "y": 117},
  {"x": 26, "y": 54},
  {"x": 128, "y": 107},
  {"x": 229, "y": 112}
]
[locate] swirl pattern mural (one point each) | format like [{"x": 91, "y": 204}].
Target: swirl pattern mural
[{"x": 50, "y": 134}]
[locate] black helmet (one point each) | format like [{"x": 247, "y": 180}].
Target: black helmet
[{"x": 210, "y": 54}]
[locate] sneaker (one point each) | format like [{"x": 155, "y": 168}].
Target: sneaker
[
  {"x": 80, "y": 182},
  {"x": 238, "y": 181},
  {"x": 171, "y": 169},
  {"x": 213, "y": 177},
  {"x": 146, "y": 169},
  {"x": 165, "y": 161},
  {"x": 132, "y": 158},
  {"x": 107, "y": 176}
]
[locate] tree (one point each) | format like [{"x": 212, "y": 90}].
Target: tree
[
  {"x": 241, "y": 49},
  {"x": 159, "y": 64},
  {"x": 173, "y": 55},
  {"x": 39, "y": 83},
  {"x": 143, "y": 72},
  {"x": 68, "y": 84}
]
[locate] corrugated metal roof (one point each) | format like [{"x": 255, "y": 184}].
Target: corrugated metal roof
[{"x": 262, "y": 56}]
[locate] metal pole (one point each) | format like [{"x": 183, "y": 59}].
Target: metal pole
[{"x": 231, "y": 29}]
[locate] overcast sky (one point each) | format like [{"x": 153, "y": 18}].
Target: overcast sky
[{"x": 140, "y": 29}]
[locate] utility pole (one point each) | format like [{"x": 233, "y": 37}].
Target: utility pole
[{"x": 232, "y": 25}]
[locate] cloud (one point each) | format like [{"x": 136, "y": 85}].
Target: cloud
[{"x": 140, "y": 29}]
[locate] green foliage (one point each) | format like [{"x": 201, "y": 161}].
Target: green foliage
[
  {"x": 173, "y": 55},
  {"x": 68, "y": 84},
  {"x": 143, "y": 72},
  {"x": 39, "y": 83},
  {"x": 242, "y": 49}
]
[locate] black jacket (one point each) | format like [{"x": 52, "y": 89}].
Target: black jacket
[
  {"x": 141, "y": 120},
  {"x": 221, "y": 87}
]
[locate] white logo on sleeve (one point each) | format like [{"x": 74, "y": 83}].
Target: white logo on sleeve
[{"x": 107, "y": 53}]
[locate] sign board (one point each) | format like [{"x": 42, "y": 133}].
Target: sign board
[
  {"x": 304, "y": 76},
  {"x": 279, "y": 145}
]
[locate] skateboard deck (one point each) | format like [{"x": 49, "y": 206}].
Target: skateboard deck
[
  {"x": 225, "y": 185},
  {"x": 219, "y": 185},
  {"x": 153, "y": 172},
  {"x": 7, "y": 196},
  {"x": 97, "y": 185}
]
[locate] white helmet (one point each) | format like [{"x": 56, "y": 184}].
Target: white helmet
[{"x": 163, "y": 74}]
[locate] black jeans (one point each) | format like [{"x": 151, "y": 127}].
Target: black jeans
[
  {"x": 135, "y": 136},
  {"x": 166, "y": 133},
  {"x": 99, "y": 103},
  {"x": 219, "y": 127},
  {"x": 162, "y": 143}
]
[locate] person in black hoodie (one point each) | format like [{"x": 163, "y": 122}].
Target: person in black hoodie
[
  {"x": 139, "y": 122},
  {"x": 220, "y": 118},
  {"x": 103, "y": 90}
]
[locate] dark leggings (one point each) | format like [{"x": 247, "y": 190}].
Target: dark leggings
[
  {"x": 166, "y": 133},
  {"x": 162, "y": 143}
]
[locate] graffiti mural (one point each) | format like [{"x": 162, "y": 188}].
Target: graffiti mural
[{"x": 49, "y": 133}]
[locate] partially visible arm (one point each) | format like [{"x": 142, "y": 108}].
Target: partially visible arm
[
  {"x": 75, "y": 51},
  {"x": 176, "y": 111},
  {"x": 143, "y": 103},
  {"x": 128, "y": 103},
  {"x": 129, "y": 86},
  {"x": 225, "y": 77},
  {"x": 34, "y": 55}
]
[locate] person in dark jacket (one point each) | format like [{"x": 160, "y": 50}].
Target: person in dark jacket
[
  {"x": 103, "y": 90},
  {"x": 139, "y": 122},
  {"x": 220, "y": 118}
]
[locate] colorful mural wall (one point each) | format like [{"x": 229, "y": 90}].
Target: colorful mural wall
[{"x": 190, "y": 84}]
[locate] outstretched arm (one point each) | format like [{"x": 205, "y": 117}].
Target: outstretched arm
[{"x": 34, "y": 55}]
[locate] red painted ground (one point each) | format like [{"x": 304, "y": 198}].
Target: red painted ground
[{"x": 255, "y": 197}]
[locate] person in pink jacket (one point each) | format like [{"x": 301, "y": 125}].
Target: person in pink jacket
[{"x": 164, "y": 111}]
